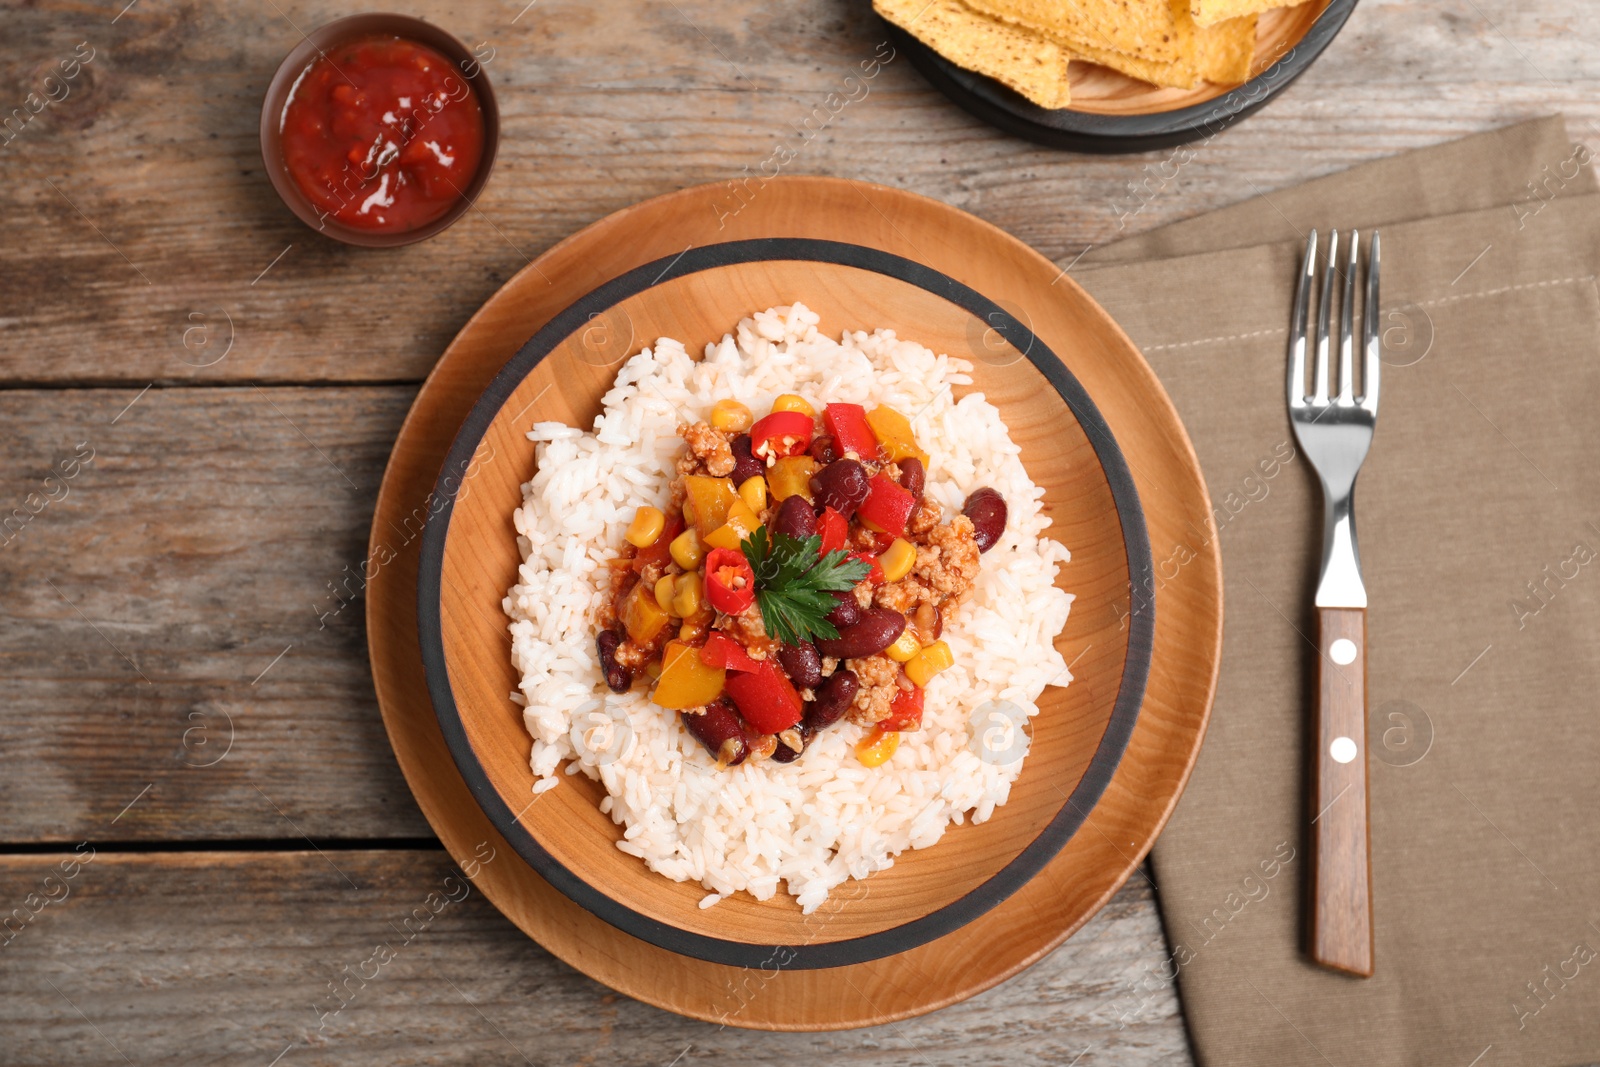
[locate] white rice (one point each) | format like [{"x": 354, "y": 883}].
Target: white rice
[{"x": 814, "y": 823}]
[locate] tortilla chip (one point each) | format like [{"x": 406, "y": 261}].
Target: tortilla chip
[
  {"x": 1211, "y": 12},
  {"x": 1158, "y": 30},
  {"x": 1029, "y": 63},
  {"x": 1183, "y": 75},
  {"x": 1227, "y": 50}
]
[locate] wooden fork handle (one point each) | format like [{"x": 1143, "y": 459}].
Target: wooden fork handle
[{"x": 1341, "y": 890}]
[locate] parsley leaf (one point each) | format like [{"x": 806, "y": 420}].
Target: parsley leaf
[{"x": 794, "y": 588}]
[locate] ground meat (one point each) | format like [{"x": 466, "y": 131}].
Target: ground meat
[
  {"x": 948, "y": 563},
  {"x": 710, "y": 447},
  {"x": 904, "y": 596},
  {"x": 746, "y": 628},
  {"x": 863, "y": 593},
  {"x": 880, "y": 683},
  {"x": 925, "y": 518},
  {"x": 634, "y": 656}
]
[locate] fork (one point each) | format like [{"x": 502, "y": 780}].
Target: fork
[{"x": 1335, "y": 432}]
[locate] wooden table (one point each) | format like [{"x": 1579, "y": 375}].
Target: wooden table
[{"x": 185, "y": 686}]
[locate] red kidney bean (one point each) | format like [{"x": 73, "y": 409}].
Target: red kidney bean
[
  {"x": 721, "y": 730},
  {"x": 929, "y": 623},
  {"x": 833, "y": 699},
  {"x": 802, "y": 662},
  {"x": 618, "y": 677},
  {"x": 824, "y": 449},
  {"x": 876, "y": 630},
  {"x": 987, "y": 510},
  {"x": 795, "y": 517},
  {"x": 912, "y": 475},
  {"x": 847, "y": 612},
  {"x": 745, "y": 464},
  {"x": 842, "y": 486},
  {"x": 784, "y": 754}
]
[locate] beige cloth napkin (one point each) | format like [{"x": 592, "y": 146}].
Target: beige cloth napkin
[{"x": 1479, "y": 523}]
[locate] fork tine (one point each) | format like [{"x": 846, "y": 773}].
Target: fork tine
[
  {"x": 1369, "y": 335},
  {"x": 1319, "y": 392},
  {"x": 1297, "y": 326},
  {"x": 1347, "y": 363}
]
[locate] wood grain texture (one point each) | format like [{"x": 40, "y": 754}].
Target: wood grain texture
[
  {"x": 157, "y": 148},
  {"x": 183, "y": 611},
  {"x": 1341, "y": 880},
  {"x": 228, "y": 958}
]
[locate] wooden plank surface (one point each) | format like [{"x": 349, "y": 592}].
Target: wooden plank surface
[
  {"x": 139, "y": 200},
  {"x": 146, "y": 600},
  {"x": 392, "y": 957}
]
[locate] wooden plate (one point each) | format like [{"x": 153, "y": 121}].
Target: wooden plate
[
  {"x": 470, "y": 558},
  {"x": 1120, "y": 828},
  {"x": 1112, "y": 112}
]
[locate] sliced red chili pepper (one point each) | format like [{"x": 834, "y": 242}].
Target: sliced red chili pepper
[
  {"x": 834, "y": 528},
  {"x": 660, "y": 550},
  {"x": 765, "y": 698},
  {"x": 851, "y": 432},
  {"x": 875, "y": 575},
  {"x": 905, "y": 711},
  {"x": 722, "y": 651},
  {"x": 730, "y": 583},
  {"x": 783, "y": 433},
  {"x": 887, "y": 506}
]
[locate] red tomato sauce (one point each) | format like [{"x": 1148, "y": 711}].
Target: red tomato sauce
[{"x": 382, "y": 133}]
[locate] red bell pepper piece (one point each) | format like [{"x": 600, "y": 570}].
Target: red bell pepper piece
[
  {"x": 848, "y": 425},
  {"x": 722, "y": 651},
  {"x": 905, "y": 711},
  {"x": 783, "y": 433},
  {"x": 730, "y": 583},
  {"x": 660, "y": 550},
  {"x": 875, "y": 575},
  {"x": 887, "y": 506},
  {"x": 834, "y": 528},
  {"x": 765, "y": 697}
]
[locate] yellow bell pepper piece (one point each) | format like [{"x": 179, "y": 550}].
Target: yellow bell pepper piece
[
  {"x": 686, "y": 681},
  {"x": 709, "y": 500},
  {"x": 791, "y": 476},
  {"x": 905, "y": 646},
  {"x": 894, "y": 434},
  {"x": 742, "y": 522},
  {"x": 642, "y": 616},
  {"x": 753, "y": 491},
  {"x": 647, "y": 525},
  {"x": 732, "y": 416},
  {"x": 897, "y": 559},
  {"x": 875, "y": 749},
  {"x": 930, "y": 661}
]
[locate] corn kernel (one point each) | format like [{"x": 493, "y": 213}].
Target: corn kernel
[
  {"x": 686, "y": 595},
  {"x": 686, "y": 549},
  {"x": 897, "y": 559},
  {"x": 646, "y": 527},
  {"x": 791, "y": 402},
  {"x": 664, "y": 591},
  {"x": 930, "y": 661},
  {"x": 653, "y": 668},
  {"x": 732, "y": 416},
  {"x": 753, "y": 491},
  {"x": 875, "y": 749},
  {"x": 905, "y": 646}
]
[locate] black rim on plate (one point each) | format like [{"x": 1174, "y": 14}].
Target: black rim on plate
[
  {"x": 1038, "y": 852},
  {"x": 1083, "y": 131}
]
